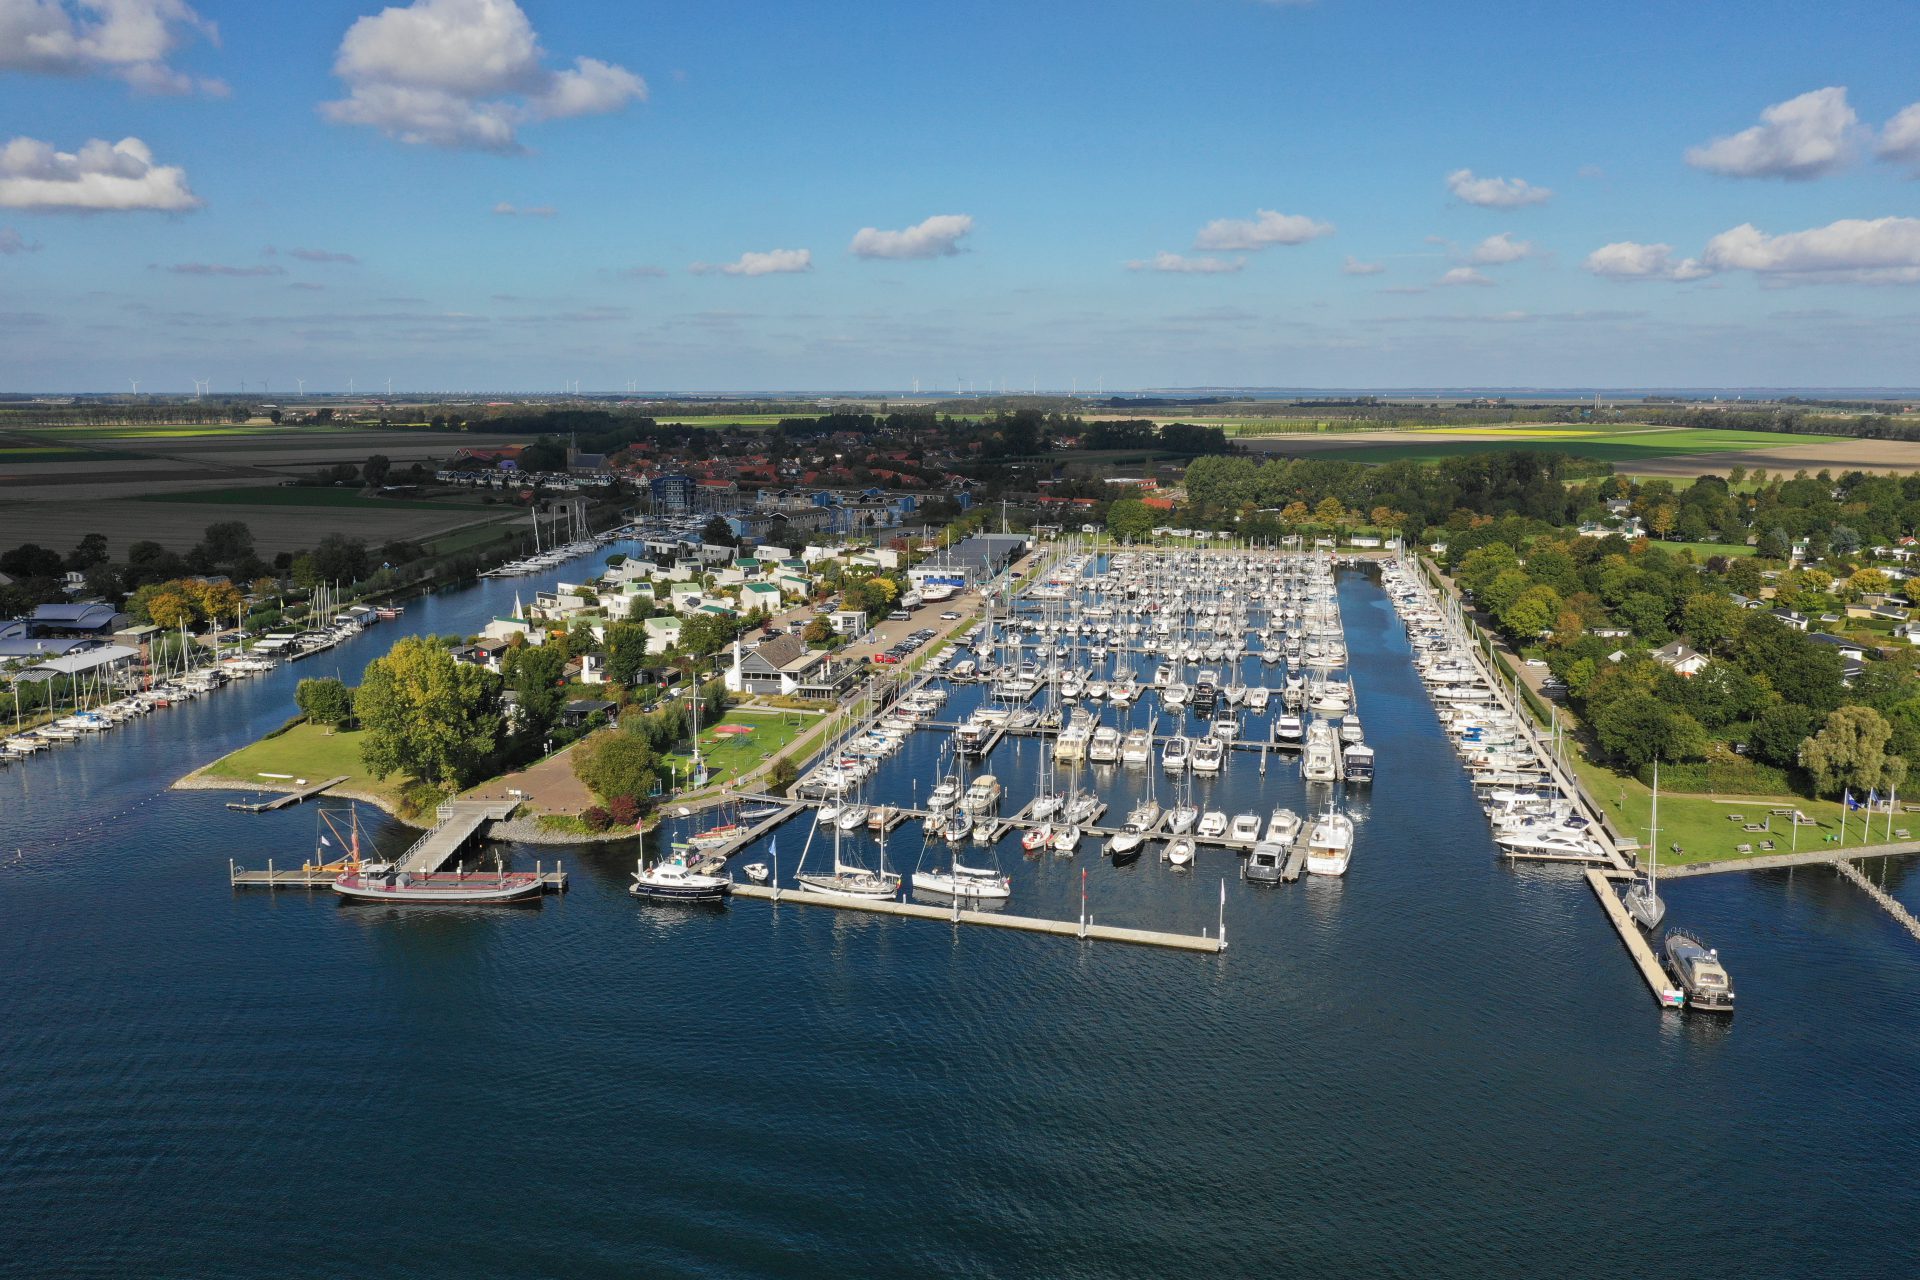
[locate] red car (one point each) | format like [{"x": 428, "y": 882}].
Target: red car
[{"x": 885, "y": 659}]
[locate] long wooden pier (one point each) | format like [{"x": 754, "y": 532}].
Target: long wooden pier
[
  {"x": 1900, "y": 914},
  {"x": 289, "y": 798},
  {"x": 1084, "y": 930},
  {"x": 1635, "y": 942}
]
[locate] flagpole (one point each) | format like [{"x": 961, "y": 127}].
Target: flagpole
[
  {"x": 1893, "y": 797},
  {"x": 1846, "y": 803}
]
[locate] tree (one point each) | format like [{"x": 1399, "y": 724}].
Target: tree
[
  {"x": 425, "y": 714},
  {"x": 783, "y": 773},
  {"x": 535, "y": 673},
  {"x": 1646, "y": 613},
  {"x": 339, "y": 558},
  {"x": 1330, "y": 511},
  {"x": 1778, "y": 732},
  {"x": 626, "y": 652},
  {"x": 376, "y": 470},
  {"x": 1294, "y": 513},
  {"x": 1775, "y": 544},
  {"x": 1661, "y": 517},
  {"x": 169, "y": 608},
  {"x": 324, "y": 701},
  {"x": 1532, "y": 613},
  {"x": 1711, "y": 620},
  {"x": 616, "y": 764},
  {"x": 227, "y": 542},
  {"x": 1130, "y": 520},
  {"x": 1850, "y": 752},
  {"x": 91, "y": 551},
  {"x": 1639, "y": 728},
  {"x": 718, "y": 533},
  {"x": 705, "y": 633},
  {"x": 819, "y": 631},
  {"x": 31, "y": 560},
  {"x": 1799, "y": 670},
  {"x": 1867, "y": 581}
]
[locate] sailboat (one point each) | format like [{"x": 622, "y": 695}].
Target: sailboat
[
  {"x": 1642, "y": 898},
  {"x": 958, "y": 880},
  {"x": 848, "y": 879}
]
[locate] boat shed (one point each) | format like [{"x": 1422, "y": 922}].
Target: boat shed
[{"x": 110, "y": 657}]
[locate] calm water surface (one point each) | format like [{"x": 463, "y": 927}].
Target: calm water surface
[{"x": 1438, "y": 1066}]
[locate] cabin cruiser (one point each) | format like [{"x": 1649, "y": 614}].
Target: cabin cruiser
[
  {"x": 1330, "y": 844},
  {"x": 1226, "y": 725},
  {"x": 1283, "y": 826},
  {"x": 1697, "y": 968},
  {"x": 1136, "y": 748},
  {"x": 1179, "y": 851},
  {"x": 1208, "y": 753},
  {"x": 1105, "y": 745},
  {"x": 1356, "y": 763},
  {"x": 1289, "y": 733},
  {"x": 1318, "y": 762},
  {"x": 1266, "y": 862},
  {"x": 1174, "y": 695},
  {"x": 1245, "y": 828},
  {"x": 1549, "y": 841},
  {"x": 982, "y": 795},
  {"x": 1177, "y": 754},
  {"x": 1350, "y": 729},
  {"x": 1213, "y": 825},
  {"x": 671, "y": 880},
  {"x": 1257, "y": 697}
]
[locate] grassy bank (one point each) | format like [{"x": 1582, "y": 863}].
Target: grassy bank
[{"x": 313, "y": 752}]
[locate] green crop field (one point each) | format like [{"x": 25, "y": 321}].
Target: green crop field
[
  {"x": 304, "y": 496},
  {"x": 1620, "y": 446}
]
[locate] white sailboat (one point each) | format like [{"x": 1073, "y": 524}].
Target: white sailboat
[
  {"x": 1642, "y": 898},
  {"x": 847, "y": 879}
]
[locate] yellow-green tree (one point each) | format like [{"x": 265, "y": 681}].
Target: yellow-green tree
[{"x": 427, "y": 715}]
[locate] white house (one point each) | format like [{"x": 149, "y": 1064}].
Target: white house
[{"x": 1680, "y": 659}]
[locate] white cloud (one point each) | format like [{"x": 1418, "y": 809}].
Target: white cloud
[
  {"x": 1354, "y": 267},
  {"x": 12, "y": 241},
  {"x": 1462, "y": 275},
  {"x": 1264, "y": 229},
  {"x": 1803, "y": 137},
  {"x": 127, "y": 39},
  {"x": 1900, "y": 140},
  {"x": 1852, "y": 250},
  {"x": 506, "y": 210},
  {"x": 98, "y": 178},
  {"x": 1178, "y": 264},
  {"x": 464, "y": 73},
  {"x": 1498, "y": 250},
  {"x": 771, "y": 263},
  {"x": 935, "y": 237},
  {"x": 1627, "y": 260},
  {"x": 1495, "y": 193},
  {"x": 221, "y": 269},
  {"x": 322, "y": 255}
]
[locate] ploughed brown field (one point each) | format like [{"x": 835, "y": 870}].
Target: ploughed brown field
[{"x": 57, "y": 502}]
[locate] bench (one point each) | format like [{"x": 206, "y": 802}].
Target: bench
[
  {"x": 1766, "y": 846},
  {"x": 1755, "y": 826},
  {"x": 1736, "y": 817},
  {"x": 1743, "y": 848}
]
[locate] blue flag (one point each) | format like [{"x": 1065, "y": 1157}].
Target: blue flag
[{"x": 1851, "y": 803}]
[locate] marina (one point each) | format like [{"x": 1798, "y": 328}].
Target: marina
[{"x": 630, "y": 989}]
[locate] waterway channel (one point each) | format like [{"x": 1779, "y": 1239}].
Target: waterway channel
[{"x": 1439, "y": 1065}]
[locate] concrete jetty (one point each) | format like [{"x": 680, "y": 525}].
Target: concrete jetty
[{"x": 1084, "y": 931}]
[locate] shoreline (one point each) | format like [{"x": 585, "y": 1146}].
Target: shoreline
[{"x": 520, "y": 829}]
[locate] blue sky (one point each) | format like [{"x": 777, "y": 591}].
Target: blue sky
[{"x": 1130, "y": 194}]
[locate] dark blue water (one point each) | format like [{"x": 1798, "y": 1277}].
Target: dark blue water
[{"x": 1436, "y": 1066}]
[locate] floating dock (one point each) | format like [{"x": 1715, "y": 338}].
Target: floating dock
[
  {"x": 1662, "y": 987},
  {"x": 1082, "y": 930},
  {"x": 283, "y": 801}
]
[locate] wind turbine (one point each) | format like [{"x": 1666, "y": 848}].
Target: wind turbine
[
  {"x": 389, "y": 386},
  {"x": 302, "y": 384},
  {"x": 136, "y": 385}
]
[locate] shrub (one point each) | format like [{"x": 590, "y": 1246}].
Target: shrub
[
  {"x": 596, "y": 818},
  {"x": 624, "y": 811}
]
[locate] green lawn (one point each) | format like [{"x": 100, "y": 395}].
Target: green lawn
[
  {"x": 727, "y": 756},
  {"x": 307, "y": 751},
  {"x": 304, "y": 496},
  {"x": 1700, "y": 824}
]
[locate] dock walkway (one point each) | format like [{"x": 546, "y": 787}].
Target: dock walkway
[
  {"x": 290, "y": 798},
  {"x": 1636, "y": 943},
  {"x": 322, "y": 877},
  {"x": 459, "y": 822},
  {"x": 1084, "y": 930}
]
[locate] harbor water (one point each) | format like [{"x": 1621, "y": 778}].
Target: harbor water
[{"x": 1438, "y": 1065}]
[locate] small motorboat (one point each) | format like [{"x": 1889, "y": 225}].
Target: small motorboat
[
  {"x": 1066, "y": 840},
  {"x": 1180, "y": 851},
  {"x": 1213, "y": 825},
  {"x": 757, "y": 872},
  {"x": 1037, "y": 838}
]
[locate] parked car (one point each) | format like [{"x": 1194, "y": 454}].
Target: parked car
[{"x": 885, "y": 659}]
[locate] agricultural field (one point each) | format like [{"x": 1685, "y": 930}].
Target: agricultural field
[
  {"x": 179, "y": 525},
  {"x": 317, "y": 496},
  {"x": 1633, "y": 449}
]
